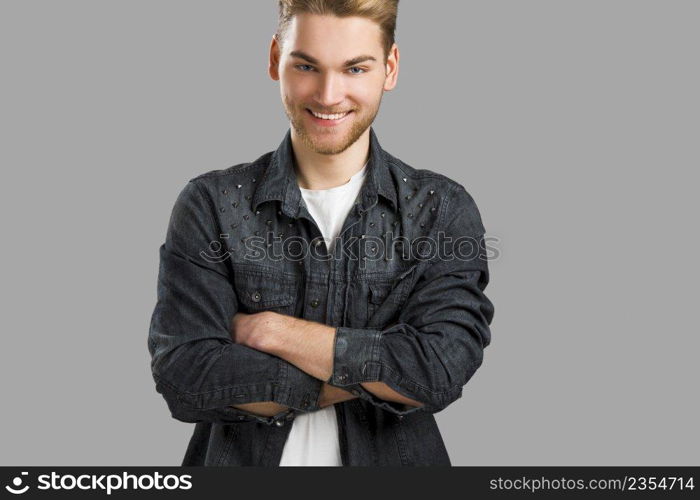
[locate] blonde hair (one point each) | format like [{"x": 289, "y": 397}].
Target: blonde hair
[{"x": 383, "y": 12}]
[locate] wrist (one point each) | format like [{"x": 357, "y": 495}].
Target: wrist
[
  {"x": 331, "y": 395},
  {"x": 279, "y": 326}
]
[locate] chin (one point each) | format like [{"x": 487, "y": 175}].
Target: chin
[{"x": 329, "y": 146}]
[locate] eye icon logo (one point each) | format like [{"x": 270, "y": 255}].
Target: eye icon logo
[{"x": 17, "y": 482}]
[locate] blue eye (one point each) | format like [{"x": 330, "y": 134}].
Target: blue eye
[{"x": 301, "y": 67}]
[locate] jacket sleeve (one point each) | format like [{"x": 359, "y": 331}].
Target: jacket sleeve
[
  {"x": 437, "y": 343},
  {"x": 195, "y": 364}
]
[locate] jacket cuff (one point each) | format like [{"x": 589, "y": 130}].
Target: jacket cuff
[
  {"x": 300, "y": 391},
  {"x": 355, "y": 356},
  {"x": 356, "y": 359},
  {"x": 193, "y": 411}
]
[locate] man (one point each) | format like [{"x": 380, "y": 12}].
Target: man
[{"x": 318, "y": 305}]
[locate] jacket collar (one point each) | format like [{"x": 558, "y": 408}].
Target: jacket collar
[{"x": 279, "y": 182}]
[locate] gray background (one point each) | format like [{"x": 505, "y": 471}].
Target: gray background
[{"x": 573, "y": 124}]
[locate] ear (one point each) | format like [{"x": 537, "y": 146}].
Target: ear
[
  {"x": 275, "y": 51},
  {"x": 392, "y": 68}
]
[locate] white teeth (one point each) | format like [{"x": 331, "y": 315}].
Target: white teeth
[{"x": 329, "y": 117}]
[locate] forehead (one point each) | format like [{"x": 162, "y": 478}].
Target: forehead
[{"x": 332, "y": 39}]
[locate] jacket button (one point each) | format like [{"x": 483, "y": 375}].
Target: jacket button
[
  {"x": 314, "y": 303},
  {"x": 279, "y": 423},
  {"x": 343, "y": 377},
  {"x": 256, "y": 297}
]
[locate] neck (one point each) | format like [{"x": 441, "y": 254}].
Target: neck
[{"x": 319, "y": 171}]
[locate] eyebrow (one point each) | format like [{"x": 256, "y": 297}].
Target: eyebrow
[{"x": 350, "y": 62}]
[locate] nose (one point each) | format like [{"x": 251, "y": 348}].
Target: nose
[{"x": 331, "y": 91}]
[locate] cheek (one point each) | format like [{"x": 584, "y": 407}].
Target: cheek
[
  {"x": 368, "y": 95},
  {"x": 366, "y": 102},
  {"x": 295, "y": 85}
]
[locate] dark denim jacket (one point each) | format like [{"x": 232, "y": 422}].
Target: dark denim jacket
[{"x": 404, "y": 287}]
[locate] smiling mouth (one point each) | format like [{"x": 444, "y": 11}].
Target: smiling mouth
[{"x": 329, "y": 117}]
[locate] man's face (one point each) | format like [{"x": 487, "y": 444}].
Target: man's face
[{"x": 331, "y": 66}]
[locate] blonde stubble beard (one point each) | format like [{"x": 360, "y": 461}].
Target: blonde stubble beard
[{"x": 357, "y": 128}]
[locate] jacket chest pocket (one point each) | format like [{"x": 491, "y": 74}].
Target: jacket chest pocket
[
  {"x": 385, "y": 298},
  {"x": 261, "y": 290},
  {"x": 378, "y": 293}
]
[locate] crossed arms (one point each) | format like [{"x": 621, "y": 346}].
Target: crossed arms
[
  {"x": 209, "y": 361},
  {"x": 307, "y": 345}
]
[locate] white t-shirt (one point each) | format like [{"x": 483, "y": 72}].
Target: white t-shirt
[{"x": 313, "y": 440}]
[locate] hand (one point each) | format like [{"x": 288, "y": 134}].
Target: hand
[{"x": 257, "y": 331}]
